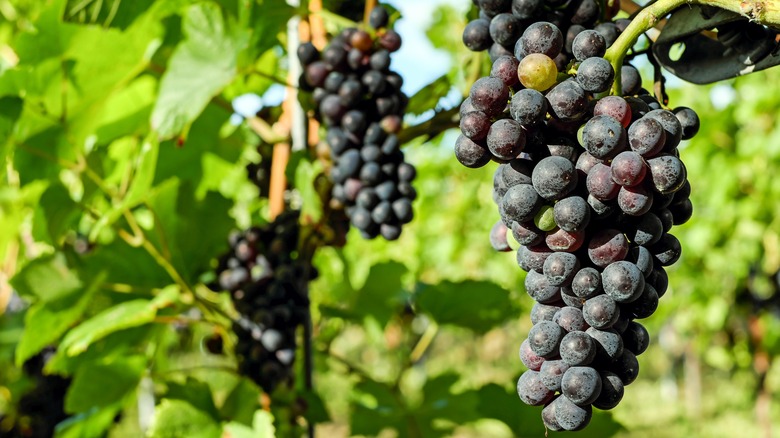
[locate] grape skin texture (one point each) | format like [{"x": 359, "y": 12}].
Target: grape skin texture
[{"x": 537, "y": 72}]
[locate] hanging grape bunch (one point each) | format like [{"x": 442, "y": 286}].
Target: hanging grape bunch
[
  {"x": 588, "y": 184},
  {"x": 359, "y": 100},
  {"x": 264, "y": 280}
]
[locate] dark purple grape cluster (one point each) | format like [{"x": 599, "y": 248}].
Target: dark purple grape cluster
[
  {"x": 501, "y": 23},
  {"x": 264, "y": 278},
  {"x": 589, "y": 185},
  {"x": 41, "y": 408},
  {"x": 359, "y": 100}
]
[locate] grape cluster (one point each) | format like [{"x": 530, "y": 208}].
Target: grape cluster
[
  {"x": 264, "y": 277},
  {"x": 359, "y": 100},
  {"x": 42, "y": 407},
  {"x": 589, "y": 186}
]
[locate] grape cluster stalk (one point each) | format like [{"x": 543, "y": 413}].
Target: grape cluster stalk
[
  {"x": 266, "y": 282},
  {"x": 359, "y": 100},
  {"x": 588, "y": 184}
]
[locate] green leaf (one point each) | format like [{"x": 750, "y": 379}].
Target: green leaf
[
  {"x": 179, "y": 419},
  {"x": 97, "y": 385},
  {"x": 382, "y": 294},
  {"x": 315, "y": 411},
  {"x": 46, "y": 321},
  {"x": 113, "y": 347},
  {"x": 376, "y": 409},
  {"x": 95, "y": 422},
  {"x": 262, "y": 427},
  {"x": 47, "y": 278},
  {"x": 428, "y": 96},
  {"x": 194, "y": 392},
  {"x": 120, "y": 317},
  {"x": 242, "y": 402},
  {"x": 305, "y": 174},
  {"x": 58, "y": 211},
  {"x": 180, "y": 218},
  {"x": 200, "y": 67},
  {"x": 476, "y": 305},
  {"x": 10, "y": 109},
  {"x": 128, "y": 110}
]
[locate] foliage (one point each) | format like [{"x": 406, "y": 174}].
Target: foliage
[{"x": 122, "y": 177}]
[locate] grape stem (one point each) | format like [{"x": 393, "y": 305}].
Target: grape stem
[{"x": 762, "y": 12}]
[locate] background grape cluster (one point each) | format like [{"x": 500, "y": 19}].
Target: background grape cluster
[
  {"x": 588, "y": 184},
  {"x": 41, "y": 408},
  {"x": 267, "y": 285},
  {"x": 359, "y": 100}
]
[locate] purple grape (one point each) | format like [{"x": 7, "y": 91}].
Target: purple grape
[
  {"x": 600, "y": 312},
  {"x": 581, "y": 385}
]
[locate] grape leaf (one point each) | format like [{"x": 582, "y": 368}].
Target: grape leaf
[
  {"x": 176, "y": 418},
  {"x": 46, "y": 321},
  {"x": 476, "y": 305},
  {"x": 97, "y": 385},
  {"x": 47, "y": 278},
  {"x": 202, "y": 64}
]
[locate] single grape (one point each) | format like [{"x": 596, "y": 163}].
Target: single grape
[
  {"x": 544, "y": 339},
  {"x": 570, "y": 416},
  {"x": 630, "y": 80},
  {"x": 623, "y": 281},
  {"x": 567, "y": 100},
  {"x": 646, "y": 137},
  {"x": 626, "y": 367},
  {"x": 505, "y": 139},
  {"x": 538, "y": 288},
  {"x": 611, "y": 391},
  {"x": 543, "y": 312},
  {"x": 498, "y": 238},
  {"x": 607, "y": 246},
  {"x": 634, "y": 201},
  {"x": 668, "y": 173},
  {"x": 577, "y": 348},
  {"x": 527, "y": 234},
  {"x": 586, "y": 283},
  {"x": 581, "y": 384},
  {"x": 562, "y": 240},
  {"x": 636, "y": 338},
  {"x": 667, "y": 250},
  {"x": 471, "y": 154},
  {"x": 600, "y": 183},
  {"x": 542, "y": 37},
  {"x": 551, "y": 373},
  {"x": 554, "y": 177},
  {"x": 572, "y": 213},
  {"x": 537, "y": 72},
  {"x": 489, "y": 95},
  {"x": 595, "y": 75},
  {"x": 560, "y": 267},
  {"x": 531, "y": 258},
  {"x": 671, "y": 125},
  {"x": 570, "y": 319},
  {"x": 529, "y": 358},
  {"x": 628, "y": 168},
  {"x": 588, "y": 44},
  {"x": 600, "y": 312},
  {"x": 520, "y": 203},
  {"x": 609, "y": 344},
  {"x": 505, "y": 68},
  {"x": 505, "y": 28},
  {"x": 528, "y": 107},
  {"x": 531, "y": 390},
  {"x": 689, "y": 121},
  {"x": 615, "y": 107},
  {"x": 604, "y": 137}
]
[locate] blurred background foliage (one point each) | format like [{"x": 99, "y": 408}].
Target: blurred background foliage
[{"x": 114, "y": 115}]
